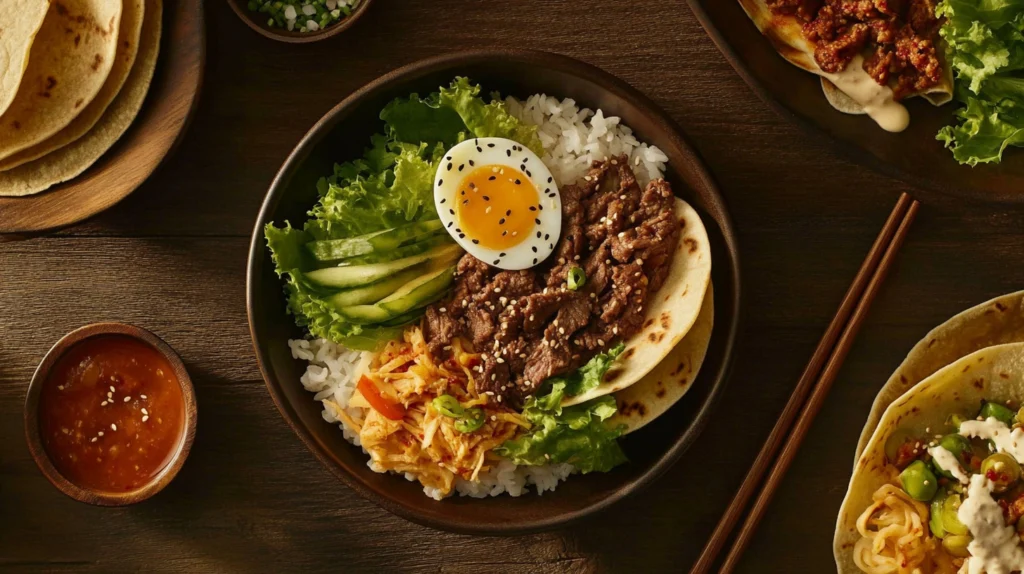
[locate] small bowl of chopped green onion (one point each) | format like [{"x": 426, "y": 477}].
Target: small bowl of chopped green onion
[{"x": 299, "y": 21}]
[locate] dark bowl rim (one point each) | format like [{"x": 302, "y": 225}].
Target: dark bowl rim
[
  {"x": 31, "y": 415},
  {"x": 292, "y": 37},
  {"x": 611, "y": 84},
  {"x": 845, "y": 149}
]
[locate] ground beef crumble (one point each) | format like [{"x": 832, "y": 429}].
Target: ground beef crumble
[
  {"x": 897, "y": 37},
  {"x": 527, "y": 325}
]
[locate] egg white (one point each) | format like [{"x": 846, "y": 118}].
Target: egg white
[{"x": 460, "y": 160}]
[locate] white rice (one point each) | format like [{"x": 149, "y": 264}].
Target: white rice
[{"x": 572, "y": 140}]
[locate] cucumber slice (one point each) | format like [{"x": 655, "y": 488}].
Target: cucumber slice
[
  {"x": 365, "y": 314},
  {"x": 361, "y": 275},
  {"x": 386, "y": 240},
  {"x": 415, "y": 294},
  {"x": 375, "y": 291},
  {"x": 418, "y": 292},
  {"x": 422, "y": 246},
  {"x": 404, "y": 319}
]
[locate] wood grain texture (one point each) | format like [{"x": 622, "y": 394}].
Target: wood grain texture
[{"x": 250, "y": 498}]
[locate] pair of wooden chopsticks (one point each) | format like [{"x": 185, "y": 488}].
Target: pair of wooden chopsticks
[{"x": 815, "y": 382}]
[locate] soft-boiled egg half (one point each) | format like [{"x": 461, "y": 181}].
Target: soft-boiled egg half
[{"x": 499, "y": 202}]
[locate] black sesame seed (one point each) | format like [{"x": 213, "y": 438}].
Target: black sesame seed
[
  {"x": 458, "y": 230},
  {"x": 462, "y": 236},
  {"x": 492, "y": 178},
  {"x": 502, "y": 254},
  {"x": 537, "y": 221},
  {"x": 538, "y": 235},
  {"x": 508, "y": 212},
  {"x": 528, "y": 173},
  {"x": 472, "y": 185},
  {"x": 551, "y": 195},
  {"x": 451, "y": 211},
  {"x": 479, "y": 149},
  {"x": 444, "y": 199},
  {"x": 497, "y": 261},
  {"x": 449, "y": 158},
  {"x": 471, "y": 163},
  {"x": 486, "y": 198},
  {"x": 534, "y": 260},
  {"x": 534, "y": 248},
  {"x": 518, "y": 182},
  {"x": 461, "y": 165},
  {"x": 551, "y": 245},
  {"x": 533, "y": 208},
  {"x": 547, "y": 236},
  {"x": 439, "y": 182},
  {"x": 549, "y": 179},
  {"x": 522, "y": 167},
  {"x": 490, "y": 145},
  {"x": 540, "y": 207},
  {"x": 504, "y": 233},
  {"x": 508, "y": 152},
  {"x": 465, "y": 201},
  {"x": 476, "y": 242},
  {"x": 501, "y": 221},
  {"x": 449, "y": 166},
  {"x": 450, "y": 223},
  {"x": 463, "y": 192}
]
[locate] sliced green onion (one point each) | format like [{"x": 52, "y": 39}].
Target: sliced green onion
[
  {"x": 576, "y": 278},
  {"x": 472, "y": 420},
  {"x": 448, "y": 406}
]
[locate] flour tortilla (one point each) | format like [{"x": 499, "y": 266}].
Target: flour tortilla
[
  {"x": 786, "y": 35},
  {"x": 73, "y": 159},
  {"x": 130, "y": 29},
  {"x": 991, "y": 374},
  {"x": 69, "y": 62},
  {"x": 669, "y": 314},
  {"x": 994, "y": 322},
  {"x": 21, "y": 20},
  {"x": 661, "y": 388}
]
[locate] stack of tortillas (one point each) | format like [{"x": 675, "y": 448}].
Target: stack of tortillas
[{"x": 73, "y": 76}]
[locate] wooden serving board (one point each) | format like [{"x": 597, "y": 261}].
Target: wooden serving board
[{"x": 172, "y": 97}]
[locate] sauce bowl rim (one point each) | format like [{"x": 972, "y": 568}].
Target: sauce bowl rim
[{"x": 32, "y": 405}]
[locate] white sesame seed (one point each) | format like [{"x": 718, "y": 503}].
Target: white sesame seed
[
  {"x": 600, "y": 342},
  {"x": 93, "y": 439},
  {"x": 143, "y": 397},
  {"x": 145, "y": 418},
  {"x": 60, "y": 387},
  {"x": 113, "y": 427},
  {"x": 144, "y": 411},
  {"x": 112, "y": 389},
  {"x": 127, "y": 399},
  {"x": 104, "y": 403},
  {"x": 99, "y": 433}
]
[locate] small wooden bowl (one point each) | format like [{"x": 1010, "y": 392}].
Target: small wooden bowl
[
  {"x": 35, "y": 442},
  {"x": 260, "y": 25}
]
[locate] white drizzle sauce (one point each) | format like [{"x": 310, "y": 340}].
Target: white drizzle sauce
[
  {"x": 994, "y": 549},
  {"x": 947, "y": 461},
  {"x": 878, "y": 101},
  {"x": 1010, "y": 442}
]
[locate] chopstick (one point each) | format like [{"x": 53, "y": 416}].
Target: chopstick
[{"x": 831, "y": 351}]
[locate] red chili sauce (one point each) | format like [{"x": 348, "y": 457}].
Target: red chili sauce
[{"x": 111, "y": 413}]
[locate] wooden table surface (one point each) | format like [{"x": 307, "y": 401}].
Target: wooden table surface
[{"x": 171, "y": 258}]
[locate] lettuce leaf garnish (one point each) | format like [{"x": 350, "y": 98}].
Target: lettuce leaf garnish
[
  {"x": 578, "y": 434},
  {"x": 391, "y": 185},
  {"x": 986, "y": 51}
]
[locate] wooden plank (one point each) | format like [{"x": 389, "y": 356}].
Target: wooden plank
[{"x": 171, "y": 258}]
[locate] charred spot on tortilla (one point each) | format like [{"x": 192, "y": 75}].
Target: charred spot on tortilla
[
  {"x": 666, "y": 320},
  {"x": 1001, "y": 307},
  {"x": 628, "y": 353}
]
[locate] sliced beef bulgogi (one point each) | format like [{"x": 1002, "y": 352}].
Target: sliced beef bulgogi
[{"x": 528, "y": 325}]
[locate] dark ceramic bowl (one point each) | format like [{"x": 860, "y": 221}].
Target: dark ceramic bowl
[
  {"x": 35, "y": 441},
  {"x": 914, "y": 156},
  {"x": 342, "y": 134},
  {"x": 255, "y": 21}
]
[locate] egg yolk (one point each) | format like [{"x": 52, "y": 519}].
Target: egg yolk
[{"x": 497, "y": 206}]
